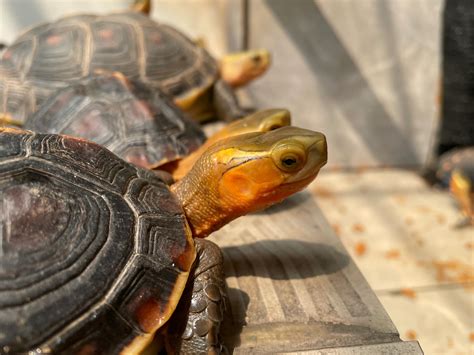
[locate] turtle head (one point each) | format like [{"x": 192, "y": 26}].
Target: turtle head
[
  {"x": 247, "y": 173},
  {"x": 143, "y": 6},
  {"x": 460, "y": 185},
  {"x": 261, "y": 121},
  {"x": 238, "y": 69}
]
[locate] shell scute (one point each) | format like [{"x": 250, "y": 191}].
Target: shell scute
[{"x": 72, "y": 274}]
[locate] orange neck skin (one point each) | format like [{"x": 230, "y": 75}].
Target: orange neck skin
[{"x": 213, "y": 194}]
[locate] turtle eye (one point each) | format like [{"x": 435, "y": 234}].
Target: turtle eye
[{"x": 290, "y": 158}]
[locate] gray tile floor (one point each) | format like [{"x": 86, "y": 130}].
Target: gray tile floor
[{"x": 402, "y": 235}]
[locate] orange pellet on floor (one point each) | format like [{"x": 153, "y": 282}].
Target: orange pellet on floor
[
  {"x": 410, "y": 335},
  {"x": 392, "y": 254},
  {"x": 408, "y": 292},
  {"x": 359, "y": 228},
  {"x": 360, "y": 248}
]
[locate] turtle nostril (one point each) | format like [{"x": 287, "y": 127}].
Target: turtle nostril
[{"x": 256, "y": 59}]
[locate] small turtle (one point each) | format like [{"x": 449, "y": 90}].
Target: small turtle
[
  {"x": 456, "y": 170},
  {"x": 51, "y": 55},
  {"x": 140, "y": 125},
  {"x": 98, "y": 255}
]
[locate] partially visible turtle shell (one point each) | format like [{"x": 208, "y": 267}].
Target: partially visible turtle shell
[
  {"x": 138, "y": 124},
  {"x": 95, "y": 252},
  {"x": 461, "y": 159},
  {"x": 49, "y": 56}
]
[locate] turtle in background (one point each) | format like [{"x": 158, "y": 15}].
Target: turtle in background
[
  {"x": 140, "y": 125},
  {"x": 100, "y": 256},
  {"x": 456, "y": 171},
  {"x": 51, "y": 55}
]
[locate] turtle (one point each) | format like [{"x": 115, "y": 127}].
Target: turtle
[
  {"x": 456, "y": 171},
  {"x": 140, "y": 125},
  {"x": 100, "y": 256},
  {"x": 49, "y": 56}
]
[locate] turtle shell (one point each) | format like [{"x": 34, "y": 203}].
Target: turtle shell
[
  {"x": 138, "y": 124},
  {"x": 456, "y": 159},
  {"x": 95, "y": 252},
  {"x": 49, "y": 56}
]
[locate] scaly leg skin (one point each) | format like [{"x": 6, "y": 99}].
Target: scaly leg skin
[
  {"x": 226, "y": 104},
  {"x": 197, "y": 332}
]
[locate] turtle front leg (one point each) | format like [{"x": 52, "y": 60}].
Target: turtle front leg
[
  {"x": 226, "y": 105},
  {"x": 197, "y": 331}
]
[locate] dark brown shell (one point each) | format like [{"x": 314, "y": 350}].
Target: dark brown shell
[
  {"x": 50, "y": 55},
  {"x": 138, "y": 124},
  {"x": 461, "y": 159},
  {"x": 95, "y": 252}
]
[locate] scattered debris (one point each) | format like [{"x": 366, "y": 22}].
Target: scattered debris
[
  {"x": 337, "y": 229},
  {"x": 410, "y": 335},
  {"x": 408, "y": 292},
  {"x": 469, "y": 245},
  {"x": 392, "y": 254},
  {"x": 452, "y": 271},
  {"x": 409, "y": 221},
  {"x": 424, "y": 209},
  {"x": 322, "y": 192},
  {"x": 400, "y": 199},
  {"x": 359, "y": 228},
  {"x": 441, "y": 219},
  {"x": 360, "y": 248},
  {"x": 450, "y": 342}
]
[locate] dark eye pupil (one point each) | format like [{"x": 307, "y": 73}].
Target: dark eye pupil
[
  {"x": 289, "y": 161},
  {"x": 273, "y": 127}
]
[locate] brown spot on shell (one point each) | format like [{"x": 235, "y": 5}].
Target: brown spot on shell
[
  {"x": 471, "y": 337},
  {"x": 88, "y": 349},
  {"x": 106, "y": 34},
  {"x": 54, "y": 40},
  {"x": 138, "y": 157},
  {"x": 141, "y": 111},
  {"x": 155, "y": 37},
  {"x": 148, "y": 314}
]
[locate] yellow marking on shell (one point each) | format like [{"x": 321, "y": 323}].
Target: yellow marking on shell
[
  {"x": 143, "y": 6},
  {"x": 192, "y": 96},
  {"x": 6, "y": 119}
]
